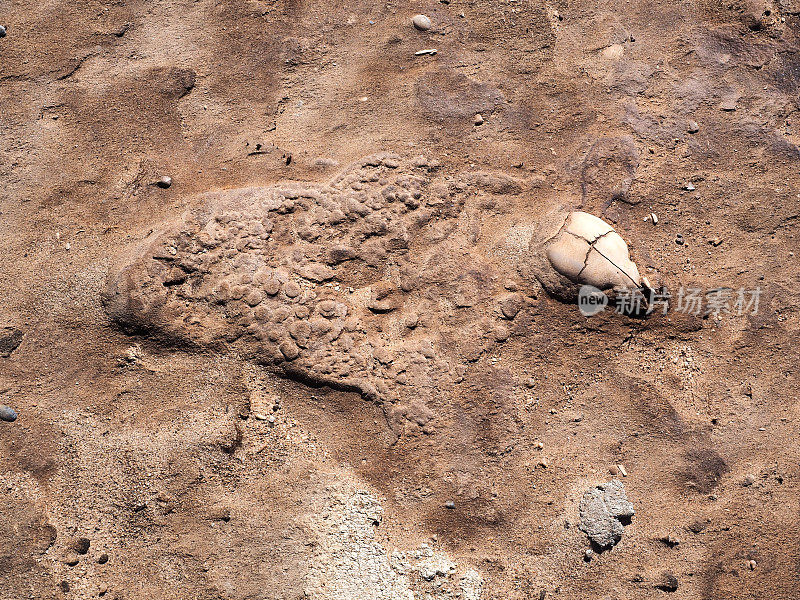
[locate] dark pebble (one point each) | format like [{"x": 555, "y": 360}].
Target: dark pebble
[
  {"x": 679, "y": 239},
  {"x": 102, "y": 559},
  {"x": 10, "y": 339},
  {"x": 450, "y": 504},
  {"x": 7, "y": 414},
  {"x": 668, "y": 583},
  {"x": 2, "y": 31},
  {"x": 81, "y": 545}
]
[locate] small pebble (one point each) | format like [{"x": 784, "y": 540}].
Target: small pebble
[
  {"x": 588, "y": 554},
  {"x": 679, "y": 239},
  {"x": 748, "y": 480},
  {"x": 428, "y": 51},
  {"x": 70, "y": 559},
  {"x": 728, "y": 104},
  {"x": 7, "y": 414},
  {"x": 511, "y": 306},
  {"x": 538, "y": 445},
  {"x": 102, "y": 559},
  {"x": 501, "y": 333},
  {"x": 668, "y": 583},
  {"x": 613, "y": 470},
  {"x": 693, "y": 127},
  {"x": 2, "y": 31},
  {"x": 671, "y": 541},
  {"x": 164, "y": 182},
  {"x": 450, "y": 504},
  {"x": 421, "y": 22},
  {"x": 689, "y": 187},
  {"x": 752, "y": 565},
  {"x": 478, "y": 119},
  {"x": 81, "y": 545},
  {"x": 292, "y": 289}
]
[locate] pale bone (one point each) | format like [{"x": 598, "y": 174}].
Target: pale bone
[{"x": 588, "y": 251}]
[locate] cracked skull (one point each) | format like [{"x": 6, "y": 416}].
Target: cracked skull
[{"x": 585, "y": 250}]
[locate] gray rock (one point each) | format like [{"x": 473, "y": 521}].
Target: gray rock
[
  {"x": 10, "y": 339},
  {"x": 2, "y": 31},
  {"x": 421, "y": 22},
  {"x": 603, "y": 510},
  {"x": 7, "y": 414}
]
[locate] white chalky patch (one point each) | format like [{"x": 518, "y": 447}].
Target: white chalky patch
[{"x": 350, "y": 564}]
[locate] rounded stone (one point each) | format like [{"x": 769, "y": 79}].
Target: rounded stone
[
  {"x": 2, "y": 31},
  {"x": 253, "y": 298},
  {"x": 501, "y": 333},
  {"x": 164, "y": 182},
  {"x": 70, "y": 559},
  {"x": 327, "y": 308},
  {"x": 272, "y": 286},
  {"x": 292, "y": 289},
  {"x": 289, "y": 350},
  {"x": 7, "y": 414},
  {"x": 280, "y": 314},
  {"x": 421, "y": 22},
  {"x": 668, "y": 582},
  {"x": 511, "y": 305}
]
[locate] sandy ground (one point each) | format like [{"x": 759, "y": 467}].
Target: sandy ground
[{"x": 137, "y": 467}]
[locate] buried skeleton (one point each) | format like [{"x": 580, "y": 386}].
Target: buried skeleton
[{"x": 325, "y": 282}]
